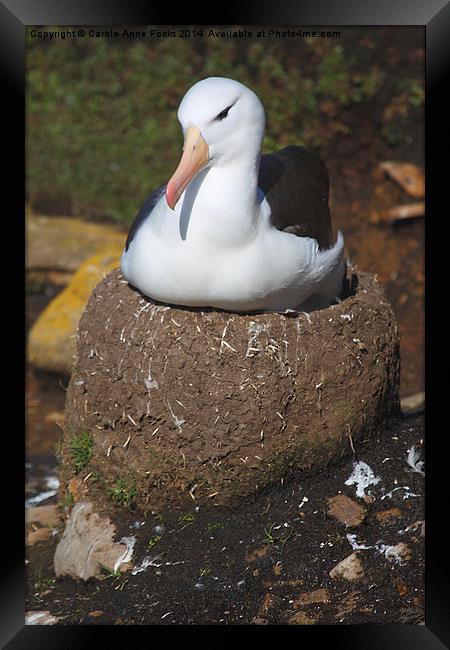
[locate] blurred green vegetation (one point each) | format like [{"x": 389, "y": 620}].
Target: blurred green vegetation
[{"x": 102, "y": 130}]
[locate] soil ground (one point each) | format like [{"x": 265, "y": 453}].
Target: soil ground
[{"x": 255, "y": 562}]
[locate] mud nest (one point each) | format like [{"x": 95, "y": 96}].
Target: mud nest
[{"x": 188, "y": 404}]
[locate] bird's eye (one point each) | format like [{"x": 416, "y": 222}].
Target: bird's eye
[{"x": 222, "y": 115}]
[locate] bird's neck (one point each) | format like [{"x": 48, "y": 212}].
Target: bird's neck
[{"x": 229, "y": 191}]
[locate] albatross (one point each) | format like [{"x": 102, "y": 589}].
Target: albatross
[{"x": 234, "y": 229}]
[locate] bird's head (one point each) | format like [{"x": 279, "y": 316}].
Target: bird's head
[{"x": 223, "y": 122}]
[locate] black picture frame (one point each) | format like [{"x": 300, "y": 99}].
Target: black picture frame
[{"x": 15, "y": 15}]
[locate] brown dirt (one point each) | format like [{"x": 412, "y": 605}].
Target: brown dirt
[
  {"x": 218, "y": 565},
  {"x": 224, "y": 404}
]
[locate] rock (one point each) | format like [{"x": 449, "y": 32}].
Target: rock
[
  {"x": 87, "y": 544},
  {"x": 405, "y": 211},
  {"x": 213, "y": 406},
  {"x": 348, "y": 569},
  {"x": 59, "y": 278},
  {"x": 398, "y": 553},
  {"x": 346, "y": 510},
  {"x": 44, "y": 515},
  {"x": 55, "y": 417},
  {"x": 268, "y": 602},
  {"x": 347, "y": 605},
  {"x": 64, "y": 243},
  {"x": 37, "y": 535},
  {"x": 312, "y": 597},
  {"x": 77, "y": 488},
  {"x": 420, "y": 524},
  {"x": 401, "y": 588},
  {"x": 34, "y": 617},
  {"x": 301, "y": 618},
  {"x": 258, "y": 553},
  {"x": 410, "y": 177},
  {"x": 51, "y": 340},
  {"x": 388, "y": 516},
  {"x": 277, "y": 569},
  {"x": 413, "y": 403}
]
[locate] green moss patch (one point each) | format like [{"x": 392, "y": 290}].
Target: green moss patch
[{"x": 81, "y": 448}]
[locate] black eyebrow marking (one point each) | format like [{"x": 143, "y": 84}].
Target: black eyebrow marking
[{"x": 222, "y": 115}]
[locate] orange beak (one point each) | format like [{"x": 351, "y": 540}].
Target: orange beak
[{"x": 194, "y": 158}]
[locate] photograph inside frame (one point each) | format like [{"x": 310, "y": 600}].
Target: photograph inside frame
[{"x": 225, "y": 320}]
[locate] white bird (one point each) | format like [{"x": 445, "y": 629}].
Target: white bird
[{"x": 234, "y": 229}]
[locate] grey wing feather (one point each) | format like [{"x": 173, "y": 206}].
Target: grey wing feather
[{"x": 295, "y": 182}]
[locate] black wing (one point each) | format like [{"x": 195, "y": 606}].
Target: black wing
[
  {"x": 295, "y": 182},
  {"x": 143, "y": 213}
]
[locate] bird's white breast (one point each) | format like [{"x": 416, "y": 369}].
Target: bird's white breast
[{"x": 199, "y": 266}]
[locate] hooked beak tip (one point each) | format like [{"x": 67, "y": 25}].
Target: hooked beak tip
[{"x": 171, "y": 198}]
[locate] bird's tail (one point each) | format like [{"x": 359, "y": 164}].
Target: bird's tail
[{"x": 333, "y": 269}]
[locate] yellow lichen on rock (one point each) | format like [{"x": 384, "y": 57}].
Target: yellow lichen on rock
[
  {"x": 51, "y": 341},
  {"x": 75, "y": 241}
]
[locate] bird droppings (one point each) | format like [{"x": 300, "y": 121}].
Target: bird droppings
[
  {"x": 52, "y": 482},
  {"x": 253, "y": 345},
  {"x": 127, "y": 554},
  {"x": 407, "y": 494},
  {"x": 398, "y": 553},
  {"x": 150, "y": 382},
  {"x": 146, "y": 562},
  {"x": 356, "y": 546},
  {"x": 413, "y": 460},
  {"x": 394, "y": 553},
  {"x": 362, "y": 476}
]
